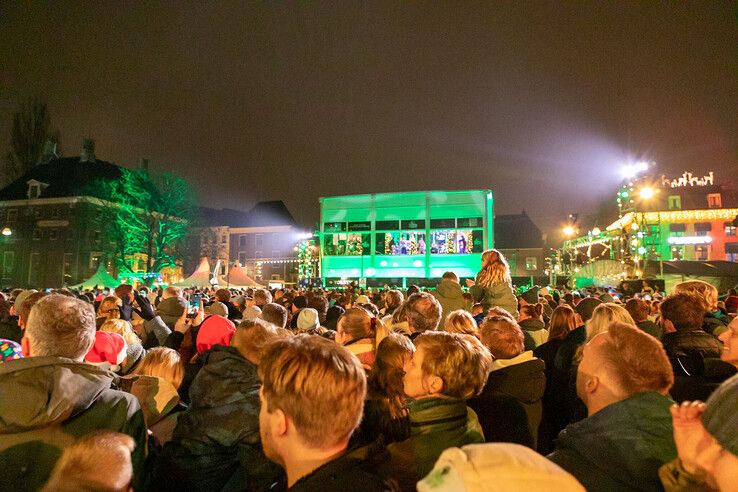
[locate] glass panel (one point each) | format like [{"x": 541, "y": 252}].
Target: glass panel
[
  {"x": 400, "y": 243},
  {"x": 412, "y": 224},
  {"x": 387, "y": 225},
  {"x": 452, "y": 241},
  {"x": 359, "y": 226},
  {"x": 471, "y": 222},
  {"x": 443, "y": 223},
  {"x": 334, "y": 227},
  {"x": 347, "y": 244}
]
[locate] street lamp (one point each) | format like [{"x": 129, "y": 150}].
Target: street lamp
[
  {"x": 6, "y": 231},
  {"x": 569, "y": 231},
  {"x": 647, "y": 193}
]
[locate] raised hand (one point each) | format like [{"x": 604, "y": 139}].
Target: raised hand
[{"x": 697, "y": 449}]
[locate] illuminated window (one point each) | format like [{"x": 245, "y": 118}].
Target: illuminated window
[
  {"x": 701, "y": 253},
  {"x": 242, "y": 241},
  {"x": 531, "y": 263},
  {"x": 730, "y": 229},
  {"x": 674, "y": 202},
  {"x": 731, "y": 251},
  {"x": 714, "y": 200},
  {"x": 702, "y": 228}
]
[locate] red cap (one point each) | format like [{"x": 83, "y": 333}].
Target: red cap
[{"x": 215, "y": 330}]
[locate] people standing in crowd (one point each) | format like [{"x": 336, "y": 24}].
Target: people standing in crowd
[
  {"x": 262, "y": 297},
  {"x": 603, "y": 316},
  {"x": 446, "y": 370},
  {"x": 109, "y": 309},
  {"x": 639, "y": 310},
  {"x": 449, "y": 294},
  {"x": 422, "y": 312},
  {"x": 360, "y": 332},
  {"x": 460, "y": 321},
  {"x": 275, "y": 314},
  {"x": 493, "y": 284},
  {"x": 510, "y": 405},
  {"x": 531, "y": 322},
  {"x": 134, "y": 349},
  {"x": 392, "y": 301},
  {"x": 715, "y": 322},
  {"x": 62, "y": 397},
  {"x": 171, "y": 306},
  {"x": 311, "y": 401},
  {"x": 623, "y": 379}
]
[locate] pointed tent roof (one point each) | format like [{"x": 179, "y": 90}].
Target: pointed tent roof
[
  {"x": 101, "y": 278},
  {"x": 238, "y": 278},
  {"x": 200, "y": 278}
]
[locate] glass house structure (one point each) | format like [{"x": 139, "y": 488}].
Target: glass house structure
[{"x": 404, "y": 238}]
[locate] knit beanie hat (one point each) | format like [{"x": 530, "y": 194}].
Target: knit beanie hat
[
  {"x": 531, "y": 295},
  {"x": 587, "y": 306},
  {"x": 308, "y": 319},
  {"x": 215, "y": 330},
  {"x": 721, "y": 415},
  {"x": 108, "y": 351},
  {"x": 496, "y": 466},
  {"x": 217, "y": 308},
  {"x": 10, "y": 350}
]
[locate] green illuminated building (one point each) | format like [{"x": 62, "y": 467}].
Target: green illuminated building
[{"x": 404, "y": 238}]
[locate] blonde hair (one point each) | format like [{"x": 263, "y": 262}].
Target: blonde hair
[
  {"x": 495, "y": 269},
  {"x": 310, "y": 378},
  {"x": 707, "y": 292},
  {"x": 163, "y": 363},
  {"x": 105, "y": 303},
  {"x": 122, "y": 328},
  {"x": 460, "y": 321},
  {"x": 603, "y": 315},
  {"x": 253, "y": 336},
  {"x": 357, "y": 322},
  {"x": 461, "y": 361},
  {"x": 502, "y": 336}
]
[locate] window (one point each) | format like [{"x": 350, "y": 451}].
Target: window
[
  {"x": 702, "y": 228},
  {"x": 258, "y": 245},
  {"x": 731, "y": 251},
  {"x": 701, "y": 253},
  {"x": 95, "y": 259},
  {"x": 12, "y": 215},
  {"x": 674, "y": 202},
  {"x": 224, "y": 239},
  {"x": 34, "y": 191},
  {"x": 347, "y": 244},
  {"x": 242, "y": 258},
  {"x": 730, "y": 229},
  {"x": 242, "y": 241},
  {"x": 714, "y": 200},
  {"x": 34, "y": 269},
  {"x": 8, "y": 261},
  {"x": 37, "y": 234},
  {"x": 531, "y": 263},
  {"x": 67, "y": 268},
  {"x": 53, "y": 235}
]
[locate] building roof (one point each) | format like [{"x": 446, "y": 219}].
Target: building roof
[
  {"x": 516, "y": 231},
  {"x": 263, "y": 214},
  {"x": 65, "y": 177}
]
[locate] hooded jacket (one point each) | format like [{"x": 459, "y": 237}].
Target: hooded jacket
[
  {"x": 523, "y": 379},
  {"x": 46, "y": 403},
  {"x": 435, "y": 424},
  {"x": 159, "y": 402},
  {"x": 170, "y": 310},
  {"x": 450, "y": 295},
  {"x": 621, "y": 447},
  {"x": 534, "y": 332},
  {"x": 216, "y": 440}
]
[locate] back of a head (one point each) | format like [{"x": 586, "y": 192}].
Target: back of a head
[
  {"x": 638, "y": 309},
  {"x": 252, "y": 337},
  {"x": 685, "y": 310},
  {"x": 393, "y": 299},
  {"x": 586, "y": 307},
  {"x": 275, "y": 314},
  {"x": 707, "y": 292},
  {"x": 385, "y": 377},
  {"x": 310, "y": 378},
  {"x": 262, "y": 296},
  {"x": 223, "y": 295},
  {"x": 423, "y": 312},
  {"x": 451, "y": 276},
  {"x": 604, "y": 315},
  {"x": 100, "y": 461},
  {"x": 30, "y": 301},
  {"x": 163, "y": 363},
  {"x": 61, "y": 326},
  {"x": 171, "y": 291},
  {"x": 563, "y": 321},
  {"x": 461, "y": 361},
  {"x": 460, "y": 321},
  {"x": 532, "y": 310},
  {"x": 502, "y": 336},
  {"x": 319, "y": 303},
  {"x": 300, "y": 302},
  {"x": 635, "y": 360}
]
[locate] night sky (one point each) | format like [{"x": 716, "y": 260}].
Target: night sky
[{"x": 540, "y": 101}]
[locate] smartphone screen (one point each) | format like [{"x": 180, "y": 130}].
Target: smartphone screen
[{"x": 193, "y": 306}]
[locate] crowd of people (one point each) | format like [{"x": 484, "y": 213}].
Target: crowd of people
[{"x": 462, "y": 387}]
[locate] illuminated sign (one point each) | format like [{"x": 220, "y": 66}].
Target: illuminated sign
[
  {"x": 687, "y": 179},
  {"x": 690, "y": 240}
]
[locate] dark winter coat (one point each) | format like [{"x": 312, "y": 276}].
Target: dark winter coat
[
  {"x": 435, "y": 425},
  {"x": 525, "y": 382},
  {"x": 687, "y": 350},
  {"x": 651, "y": 328},
  {"x": 9, "y": 330},
  {"x": 216, "y": 443},
  {"x": 621, "y": 447},
  {"x": 450, "y": 295},
  {"x": 534, "y": 332},
  {"x": 46, "y": 403}
]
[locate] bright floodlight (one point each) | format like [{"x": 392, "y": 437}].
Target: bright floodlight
[
  {"x": 647, "y": 192},
  {"x": 596, "y": 231},
  {"x": 568, "y": 231},
  {"x": 7, "y": 231},
  {"x": 631, "y": 170}
]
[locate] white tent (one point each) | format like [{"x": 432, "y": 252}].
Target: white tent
[
  {"x": 238, "y": 278},
  {"x": 101, "y": 278},
  {"x": 200, "y": 278}
]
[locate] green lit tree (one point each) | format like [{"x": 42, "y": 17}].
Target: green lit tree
[{"x": 147, "y": 214}]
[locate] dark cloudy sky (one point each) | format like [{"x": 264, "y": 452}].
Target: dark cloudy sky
[{"x": 540, "y": 101}]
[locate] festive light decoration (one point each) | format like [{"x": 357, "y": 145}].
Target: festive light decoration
[
  {"x": 674, "y": 216},
  {"x": 689, "y": 240}
]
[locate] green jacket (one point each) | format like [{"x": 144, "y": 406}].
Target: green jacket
[
  {"x": 621, "y": 447},
  {"x": 499, "y": 295},
  {"x": 48, "y": 402},
  {"x": 435, "y": 425}
]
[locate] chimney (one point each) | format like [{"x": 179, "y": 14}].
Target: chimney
[
  {"x": 88, "y": 151},
  {"x": 144, "y": 164},
  {"x": 49, "y": 153}
]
